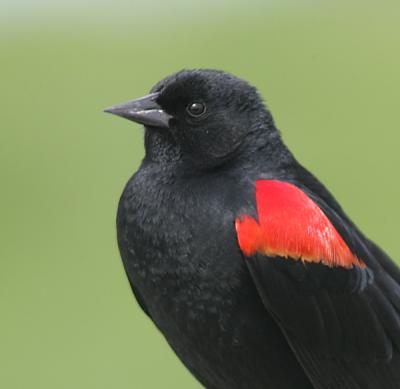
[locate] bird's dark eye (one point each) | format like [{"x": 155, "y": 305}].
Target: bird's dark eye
[{"x": 196, "y": 109}]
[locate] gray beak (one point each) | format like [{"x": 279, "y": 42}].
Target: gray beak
[{"x": 144, "y": 110}]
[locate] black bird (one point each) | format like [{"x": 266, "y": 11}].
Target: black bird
[{"x": 241, "y": 257}]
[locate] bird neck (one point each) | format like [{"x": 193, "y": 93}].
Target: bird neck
[{"x": 264, "y": 145}]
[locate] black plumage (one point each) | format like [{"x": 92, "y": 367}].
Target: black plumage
[{"x": 241, "y": 322}]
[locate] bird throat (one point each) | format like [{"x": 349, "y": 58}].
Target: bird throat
[{"x": 160, "y": 146}]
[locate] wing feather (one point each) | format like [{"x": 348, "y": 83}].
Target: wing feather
[{"x": 336, "y": 296}]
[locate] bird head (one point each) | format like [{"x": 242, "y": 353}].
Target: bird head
[{"x": 200, "y": 116}]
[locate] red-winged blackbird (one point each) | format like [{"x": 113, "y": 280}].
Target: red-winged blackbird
[{"x": 241, "y": 257}]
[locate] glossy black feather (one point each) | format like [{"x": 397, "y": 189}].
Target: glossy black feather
[
  {"x": 341, "y": 320},
  {"x": 187, "y": 271},
  {"x": 236, "y": 322}
]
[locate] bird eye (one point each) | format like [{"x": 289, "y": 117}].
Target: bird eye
[{"x": 196, "y": 109}]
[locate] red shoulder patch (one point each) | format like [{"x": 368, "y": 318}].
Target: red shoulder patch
[{"x": 291, "y": 225}]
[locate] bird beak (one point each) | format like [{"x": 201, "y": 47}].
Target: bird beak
[{"x": 144, "y": 110}]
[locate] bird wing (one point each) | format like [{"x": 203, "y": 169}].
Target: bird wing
[{"x": 335, "y": 295}]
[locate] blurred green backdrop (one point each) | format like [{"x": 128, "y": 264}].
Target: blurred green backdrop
[{"x": 328, "y": 70}]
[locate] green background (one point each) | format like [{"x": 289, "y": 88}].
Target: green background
[{"x": 329, "y": 71}]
